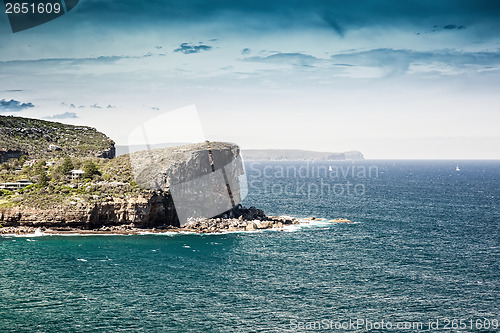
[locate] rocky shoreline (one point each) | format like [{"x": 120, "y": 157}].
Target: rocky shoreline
[{"x": 199, "y": 225}]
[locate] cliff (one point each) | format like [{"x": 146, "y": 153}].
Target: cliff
[
  {"x": 45, "y": 139},
  {"x": 150, "y": 209},
  {"x": 157, "y": 188}
]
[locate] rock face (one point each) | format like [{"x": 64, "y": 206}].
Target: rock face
[
  {"x": 107, "y": 153},
  {"x": 143, "y": 212},
  {"x": 202, "y": 178}
]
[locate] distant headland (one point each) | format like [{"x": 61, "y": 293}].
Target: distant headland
[
  {"x": 299, "y": 155},
  {"x": 268, "y": 154}
]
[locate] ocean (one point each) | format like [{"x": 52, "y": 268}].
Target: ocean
[{"x": 423, "y": 255}]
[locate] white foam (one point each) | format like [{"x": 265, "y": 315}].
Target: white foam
[
  {"x": 292, "y": 228},
  {"x": 38, "y": 233},
  {"x": 84, "y": 260}
]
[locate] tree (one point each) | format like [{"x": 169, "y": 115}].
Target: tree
[
  {"x": 43, "y": 179},
  {"x": 89, "y": 170},
  {"x": 67, "y": 166},
  {"x": 41, "y": 173}
]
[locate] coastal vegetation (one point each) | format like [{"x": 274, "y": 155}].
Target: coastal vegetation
[
  {"x": 59, "y": 164},
  {"x": 53, "y": 184},
  {"x": 41, "y": 139}
]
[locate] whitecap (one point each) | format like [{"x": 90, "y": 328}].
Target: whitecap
[{"x": 292, "y": 228}]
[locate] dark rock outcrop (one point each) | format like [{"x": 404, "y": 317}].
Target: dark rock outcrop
[{"x": 7, "y": 154}]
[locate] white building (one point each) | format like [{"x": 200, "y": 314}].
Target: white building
[{"x": 75, "y": 174}]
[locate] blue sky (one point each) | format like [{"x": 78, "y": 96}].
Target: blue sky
[{"x": 417, "y": 79}]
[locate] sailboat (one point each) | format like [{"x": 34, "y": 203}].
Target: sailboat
[
  {"x": 457, "y": 169},
  {"x": 330, "y": 168}
]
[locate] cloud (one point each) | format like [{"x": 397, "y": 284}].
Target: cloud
[
  {"x": 14, "y": 105},
  {"x": 265, "y": 16},
  {"x": 330, "y": 21},
  {"x": 65, "y": 115},
  {"x": 299, "y": 59},
  {"x": 453, "y": 26},
  {"x": 70, "y": 61},
  {"x": 187, "y": 48},
  {"x": 398, "y": 61},
  {"x": 438, "y": 28},
  {"x": 246, "y": 51}
]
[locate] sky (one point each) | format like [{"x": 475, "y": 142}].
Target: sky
[{"x": 413, "y": 79}]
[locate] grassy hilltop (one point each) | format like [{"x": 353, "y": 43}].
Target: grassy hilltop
[
  {"x": 44, "y": 152},
  {"x": 46, "y": 139}
]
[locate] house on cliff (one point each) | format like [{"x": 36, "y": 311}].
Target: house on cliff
[
  {"x": 13, "y": 186},
  {"x": 76, "y": 174}
]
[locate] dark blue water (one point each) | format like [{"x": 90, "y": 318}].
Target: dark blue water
[{"x": 426, "y": 248}]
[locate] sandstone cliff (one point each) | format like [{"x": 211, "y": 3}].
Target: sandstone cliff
[{"x": 163, "y": 187}]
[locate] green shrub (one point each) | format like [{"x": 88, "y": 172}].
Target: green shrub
[
  {"x": 4, "y": 193},
  {"x": 90, "y": 169}
]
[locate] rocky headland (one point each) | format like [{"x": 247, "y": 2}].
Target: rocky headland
[{"x": 190, "y": 188}]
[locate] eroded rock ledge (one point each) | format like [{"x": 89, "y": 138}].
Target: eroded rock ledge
[{"x": 196, "y": 225}]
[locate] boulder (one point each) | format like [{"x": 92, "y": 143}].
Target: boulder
[{"x": 251, "y": 226}]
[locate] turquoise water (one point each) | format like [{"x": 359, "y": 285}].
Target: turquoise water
[{"x": 426, "y": 247}]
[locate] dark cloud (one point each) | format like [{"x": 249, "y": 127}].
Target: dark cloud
[
  {"x": 299, "y": 59},
  {"x": 187, "y": 48},
  {"x": 332, "y": 22},
  {"x": 13, "y": 105},
  {"x": 246, "y": 51},
  {"x": 65, "y": 115},
  {"x": 13, "y": 90},
  {"x": 338, "y": 15},
  {"x": 438, "y": 28},
  {"x": 453, "y": 26}
]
